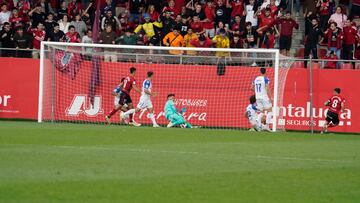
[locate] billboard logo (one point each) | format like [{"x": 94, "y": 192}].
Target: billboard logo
[
  {"x": 81, "y": 105},
  {"x": 4, "y": 100}
]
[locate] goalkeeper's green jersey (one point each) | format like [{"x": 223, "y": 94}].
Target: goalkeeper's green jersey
[{"x": 169, "y": 109}]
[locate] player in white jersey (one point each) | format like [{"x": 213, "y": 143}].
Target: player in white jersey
[
  {"x": 256, "y": 118},
  {"x": 263, "y": 94},
  {"x": 145, "y": 101}
]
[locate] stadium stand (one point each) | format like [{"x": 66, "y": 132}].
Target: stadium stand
[{"x": 22, "y": 21}]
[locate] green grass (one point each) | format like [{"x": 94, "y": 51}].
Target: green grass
[{"x": 95, "y": 163}]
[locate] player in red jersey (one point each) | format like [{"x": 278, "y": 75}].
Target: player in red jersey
[
  {"x": 129, "y": 83},
  {"x": 336, "y": 105}
]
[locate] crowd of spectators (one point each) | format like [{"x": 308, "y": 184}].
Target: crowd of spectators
[{"x": 195, "y": 23}]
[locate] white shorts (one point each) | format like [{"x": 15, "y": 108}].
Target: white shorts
[
  {"x": 263, "y": 104},
  {"x": 144, "y": 103},
  {"x": 116, "y": 101}
]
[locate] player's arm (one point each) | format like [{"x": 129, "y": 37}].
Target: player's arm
[
  {"x": 327, "y": 103},
  {"x": 268, "y": 90},
  {"x": 342, "y": 107},
  {"x": 136, "y": 88},
  {"x": 246, "y": 114}
]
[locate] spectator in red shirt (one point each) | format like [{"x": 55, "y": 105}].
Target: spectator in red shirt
[
  {"x": 324, "y": 12},
  {"x": 350, "y": 38},
  {"x": 154, "y": 15},
  {"x": 72, "y": 36},
  {"x": 73, "y": 9},
  {"x": 173, "y": 10},
  {"x": 265, "y": 19},
  {"x": 330, "y": 64},
  {"x": 236, "y": 43},
  {"x": 235, "y": 27},
  {"x": 273, "y": 8},
  {"x": 287, "y": 25},
  {"x": 208, "y": 22},
  {"x": 334, "y": 37},
  {"x": 202, "y": 42},
  {"x": 39, "y": 36},
  {"x": 237, "y": 7},
  {"x": 269, "y": 39},
  {"x": 197, "y": 26},
  {"x": 16, "y": 20},
  {"x": 23, "y": 6}
]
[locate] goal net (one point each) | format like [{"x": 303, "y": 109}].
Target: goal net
[{"x": 214, "y": 85}]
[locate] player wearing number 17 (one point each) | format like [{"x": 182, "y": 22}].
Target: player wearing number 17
[
  {"x": 336, "y": 105},
  {"x": 263, "y": 94}
]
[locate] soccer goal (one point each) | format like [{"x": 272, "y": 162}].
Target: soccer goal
[{"x": 214, "y": 85}]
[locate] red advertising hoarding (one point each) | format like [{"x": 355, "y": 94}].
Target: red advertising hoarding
[
  {"x": 211, "y": 100},
  {"x": 19, "y": 87}
]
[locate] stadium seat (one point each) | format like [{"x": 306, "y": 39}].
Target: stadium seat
[
  {"x": 300, "y": 53},
  {"x": 357, "y": 66},
  {"x": 298, "y": 64},
  {"x": 322, "y": 53},
  {"x": 346, "y": 66},
  {"x": 315, "y": 66}
]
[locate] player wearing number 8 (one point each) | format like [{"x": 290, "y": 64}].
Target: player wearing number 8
[{"x": 336, "y": 105}]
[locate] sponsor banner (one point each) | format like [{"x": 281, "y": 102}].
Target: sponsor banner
[
  {"x": 19, "y": 87},
  {"x": 211, "y": 100},
  {"x": 297, "y": 109}
]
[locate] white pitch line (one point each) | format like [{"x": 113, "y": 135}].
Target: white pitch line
[{"x": 199, "y": 153}]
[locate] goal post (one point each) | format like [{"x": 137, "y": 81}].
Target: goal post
[{"x": 213, "y": 83}]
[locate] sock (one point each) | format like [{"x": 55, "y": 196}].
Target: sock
[
  {"x": 112, "y": 112},
  {"x": 129, "y": 112},
  {"x": 131, "y": 117},
  {"x": 152, "y": 118},
  {"x": 268, "y": 117}
]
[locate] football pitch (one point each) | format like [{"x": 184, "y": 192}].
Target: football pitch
[{"x": 97, "y": 163}]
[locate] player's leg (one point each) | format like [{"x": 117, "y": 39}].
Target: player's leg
[
  {"x": 117, "y": 106},
  {"x": 268, "y": 108},
  {"x": 177, "y": 119},
  {"x": 152, "y": 117},
  {"x": 131, "y": 112},
  {"x": 328, "y": 120},
  {"x": 262, "y": 122}
]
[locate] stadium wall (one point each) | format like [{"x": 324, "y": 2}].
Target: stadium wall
[{"x": 19, "y": 94}]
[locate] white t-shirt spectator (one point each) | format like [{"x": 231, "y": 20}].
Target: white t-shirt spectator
[
  {"x": 64, "y": 26},
  {"x": 250, "y": 15},
  {"x": 86, "y": 39},
  {"x": 267, "y": 2},
  {"x": 4, "y": 17}
]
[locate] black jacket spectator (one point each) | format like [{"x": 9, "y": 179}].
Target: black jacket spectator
[
  {"x": 222, "y": 13},
  {"x": 109, "y": 19},
  {"x": 250, "y": 38},
  {"x": 168, "y": 24},
  {"x": 312, "y": 39},
  {"x": 37, "y": 16},
  {"x": 22, "y": 41},
  {"x": 57, "y": 36},
  {"x": 6, "y": 38}
]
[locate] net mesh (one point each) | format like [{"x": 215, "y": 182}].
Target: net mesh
[{"x": 214, "y": 86}]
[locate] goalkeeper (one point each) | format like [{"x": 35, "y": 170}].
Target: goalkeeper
[{"x": 172, "y": 114}]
